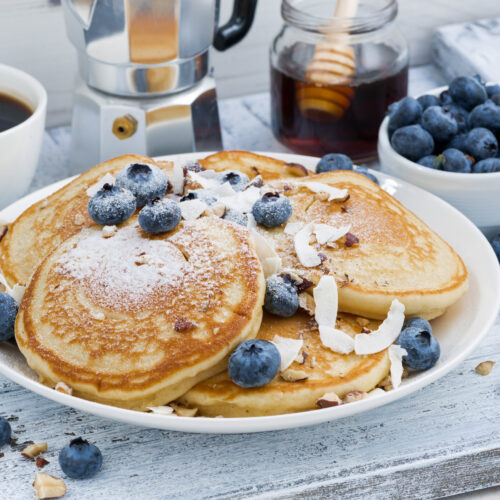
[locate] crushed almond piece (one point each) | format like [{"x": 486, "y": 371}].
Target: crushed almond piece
[
  {"x": 329, "y": 399},
  {"x": 294, "y": 375},
  {"x": 306, "y": 302},
  {"x": 217, "y": 209},
  {"x": 365, "y": 330},
  {"x": 44, "y": 203},
  {"x": 312, "y": 362},
  {"x": 34, "y": 450},
  {"x": 182, "y": 411},
  {"x": 79, "y": 219},
  {"x": 47, "y": 486},
  {"x": 108, "y": 231},
  {"x": 351, "y": 240},
  {"x": 142, "y": 259},
  {"x": 386, "y": 384},
  {"x": 182, "y": 324},
  {"x": 352, "y": 396},
  {"x": 40, "y": 462},
  {"x": 62, "y": 387},
  {"x": 256, "y": 181},
  {"x": 485, "y": 367},
  {"x": 302, "y": 357}
]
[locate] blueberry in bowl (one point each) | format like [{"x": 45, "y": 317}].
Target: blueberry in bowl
[{"x": 412, "y": 142}]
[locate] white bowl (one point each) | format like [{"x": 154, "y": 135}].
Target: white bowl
[
  {"x": 476, "y": 195},
  {"x": 20, "y": 145}
]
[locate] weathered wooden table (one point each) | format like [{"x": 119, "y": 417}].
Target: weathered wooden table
[{"x": 441, "y": 441}]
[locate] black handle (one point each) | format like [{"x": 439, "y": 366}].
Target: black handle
[{"x": 238, "y": 25}]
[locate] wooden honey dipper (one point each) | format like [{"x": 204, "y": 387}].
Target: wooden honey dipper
[{"x": 330, "y": 71}]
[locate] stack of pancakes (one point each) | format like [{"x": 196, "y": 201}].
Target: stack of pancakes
[{"x": 136, "y": 320}]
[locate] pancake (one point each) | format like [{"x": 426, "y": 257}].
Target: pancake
[
  {"x": 325, "y": 371},
  {"x": 135, "y": 320},
  {"x": 397, "y": 256},
  {"x": 47, "y": 223}
]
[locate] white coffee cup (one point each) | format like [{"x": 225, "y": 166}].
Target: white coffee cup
[{"x": 20, "y": 145}]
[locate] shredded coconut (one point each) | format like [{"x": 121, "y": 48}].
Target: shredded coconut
[
  {"x": 332, "y": 192},
  {"x": 327, "y": 234},
  {"x": 293, "y": 227},
  {"x": 307, "y": 255},
  {"x": 396, "y": 353},
  {"x": 192, "y": 209},
  {"x": 288, "y": 349},
  {"x": 106, "y": 179}
]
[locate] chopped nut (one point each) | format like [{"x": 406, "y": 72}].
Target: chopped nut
[
  {"x": 40, "y": 462},
  {"x": 256, "y": 181},
  {"x": 65, "y": 389},
  {"x": 328, "y": 399},
  {"x": 79, "y": 219},
  {"x": 47, "y": 486},
  {"x": 183, "y": 324},
  {"x": 386, "y": 384},
  {"x": 485, "y": 367},
  {"x": 302, "y": 357},
  {"x": 161, "y": 410},
  {"x": 34, "y": 450},
  {"x": 194, "y": 166},
  {"x": 351, "y": 240},
  {"x": 217, "y": 209},
  {"x": 182, "y": 411},
  {"x": 108, "y": 231},
  {"x": 142, "y": 259},
  {"x": 312, "y": 362},
  {"x": 306, "y": 302},
  {"x": 352, "y": 396},
  {"x": 294, "y": 375},
  {"x": 365, "y": 330}
]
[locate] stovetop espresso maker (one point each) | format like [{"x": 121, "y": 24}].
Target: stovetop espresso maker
[{"x": 145, "y": 82}]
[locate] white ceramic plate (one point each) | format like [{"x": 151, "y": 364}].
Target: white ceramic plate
[{"x": 459, "y": 330}]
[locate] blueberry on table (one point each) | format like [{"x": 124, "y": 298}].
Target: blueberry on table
[
  {"x": 5, "y": 431},
  {"x": 460, "y": 114},
  {"x": 333, "y": 161},
  {"x": 453, "y": 160},
  {"x": 236, "y": 216},
  {"x": 254, "y": 363},
  {"x": 364, "y": 171},
  {"x": 421, "y": 346},
  {"x": 159, "y": 216},
  {"x": 80, "y": 459},
  {"x": 204, "y": 195},
  {"x": 429, "y": 161},
  {"x": 481, "y": 143},
  {"x": 238, "y": 180},
  {"x": 496, "y": 246},
  {"x": 412, "y": 142},
  {"x": 407, "y": 112},
  {"x": 467, "y": 92},
  {"x": 281, "y": 297},
  {"x": 272, "y": 210},
  {"x": 440, "y": 123},
  {"x": 111, "y": 205},
  {"x": 8, "y": 313},
  {"x": 420, "y": 323},
  {"x": 485, "y": 115},
  {"x": 486, "y": 166},
  {"x": 146, "y": 182},
  {"x": 428, "y": 100}
]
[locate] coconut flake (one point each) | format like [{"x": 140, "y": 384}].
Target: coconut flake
[
  {"x": 385, "y": 335},
  {"x": 106, "y": 179},
  {"x": 288, "y": 349},
  {"x": 375, "y": 392},
  {"x": 224, "y": 190},
  {"x": 306, "y": 254},
  {"x": 396, "y": 353},
  {"x": 208, "y": 179},
  {"x": 192, "y": 209},
  {"x": 336, "y": 340},
  {"x": 269, "y": 259},
  {"x": 332, "y": 192},
  {"x": 326, "y": 233},
  {"x": 326, "y": 301},
  {"x": 242, "y": 201},
  {"x": 177, "y": 179},
  {"x": 16, "y": 292},
  {"x": 293, "y": 227},
  {"x": 161, "y": 410}
]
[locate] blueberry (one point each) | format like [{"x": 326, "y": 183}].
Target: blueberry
[
  {"x": 159, "y": 216},
  {"x": 204, "y": 195},
  {"x": 422, "y": 348},
  {"x": 333, "y": 161},
  {"x": 420, "y": 323},
  {"x": 236, "y": 216},
  {"x": 272, "y": 210},
  {"x": 80, "y": 460},
  {"x": 491, "y": 90},
  {"x": 467, "y": 92},
  {"x": 486, "y": 115},
  {"x": 146, "y": 182},
  {"x": 412, "y": 142},
  {"x": 407, "y": 112},
  {"x": 460, "y": 115},
  {"x": 364, "y": 171},
  {"x": 238, "y": 180},
  {"x": 281, "y": 297},
  {"x": 496, "y": 99},
  {"x": 487, "y": 166},
  {"x": 458, "y": 142},
  {"x": 427, "y": 100},
  {"x": 5, "y": 431},
  {"x": 111, "y": 205},
  {"x": 481, "y": 143},
  {"x": 453, "y": 160},
  {"x": 254, "y": 363},
  {"x": 495, "y": 243},
  {"x": 445, "y": 98},
  {"x": 8, "y": 313},
  {"x": 429, "y": 161},
  {"x": 440, "y": 123}
]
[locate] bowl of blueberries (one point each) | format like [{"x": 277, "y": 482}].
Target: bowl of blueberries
[{"x": 447, "y": 142}]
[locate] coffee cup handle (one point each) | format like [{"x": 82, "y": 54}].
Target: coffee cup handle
[{"x": 238, "y": 25}]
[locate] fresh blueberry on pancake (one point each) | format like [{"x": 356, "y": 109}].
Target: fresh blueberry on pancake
[
  {"x": 272, "y": 210},
  {"x": 80, "y": 459},
  {"x": 5, "y": 431},
  {"x": 159, "y": 216},
  {"x": 281, "y": 297},
  {"x": 238, "y": 180},
  {"x": 236, "y": 216},
  {"x": 422, "y": 348},
  {"x": 420, "y": 323},
  {"x": 146, "y": 182},
  {"x": 364, "y": 171},
  {"x": 204, "y": 195},
  {"x": 111, "y": 205},
  {"x": 333, "y": 161},
  {"x": 254, "y": 363},
  {"x": 8, "y": 313}
]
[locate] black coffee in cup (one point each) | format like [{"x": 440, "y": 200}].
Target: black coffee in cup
[{"x": 12, "y": 112}]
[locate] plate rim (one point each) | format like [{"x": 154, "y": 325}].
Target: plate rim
[{"x": 264, "y": 423}]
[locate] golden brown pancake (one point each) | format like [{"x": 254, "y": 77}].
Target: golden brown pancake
[
  {"x": 322, "y": 371},
  {"x": 135, "y": 320}
]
